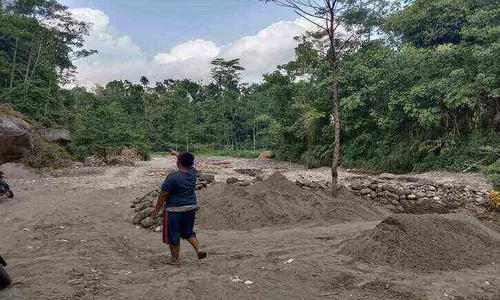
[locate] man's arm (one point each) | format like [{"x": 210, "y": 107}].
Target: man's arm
[{"x": 162, "y": 198}]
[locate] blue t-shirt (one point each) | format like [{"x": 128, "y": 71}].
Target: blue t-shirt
[{"x": 182, "y": 187}]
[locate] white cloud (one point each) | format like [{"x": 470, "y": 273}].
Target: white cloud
[{"x": 120, "y": 58}]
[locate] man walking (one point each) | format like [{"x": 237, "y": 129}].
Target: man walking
[{"x": 178, "y": 191}]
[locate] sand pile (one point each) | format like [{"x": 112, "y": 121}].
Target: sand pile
[
  {"x": 427, "y": 243},
  {"x": 276, "y": 202}
]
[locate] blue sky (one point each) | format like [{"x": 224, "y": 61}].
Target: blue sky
[{"x": 156, "y": 25}]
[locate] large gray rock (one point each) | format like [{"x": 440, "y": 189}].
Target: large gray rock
[
  {"x": 55, "y": 135},
  {"x": 148, "y": 222},
  {"x": 143, "y": 214},
  {"x": 15, "y": 135}
]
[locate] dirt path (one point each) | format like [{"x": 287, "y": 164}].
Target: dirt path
[{"x": 71, "y": 237}]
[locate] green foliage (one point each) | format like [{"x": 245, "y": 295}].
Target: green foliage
[
  {"x": 46, "y": 155},
  {"x": 493, "y": 173},
  {"x": 230, "y": 153}
]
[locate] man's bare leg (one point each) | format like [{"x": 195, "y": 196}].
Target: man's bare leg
[
  {"x": 174, "y": 251},
  {"x": 196, "y": 245}
]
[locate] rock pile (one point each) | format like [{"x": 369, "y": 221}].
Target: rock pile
[
  {"x": 419, "y": 197},
  {"x": 143, "y": 205},
  {"x": 409, "y": 194}
]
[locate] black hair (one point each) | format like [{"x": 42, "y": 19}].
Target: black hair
[{"x": 186, "y": 159}]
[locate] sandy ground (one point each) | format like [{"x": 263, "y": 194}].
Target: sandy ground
[{"x": 70, "y": 237}]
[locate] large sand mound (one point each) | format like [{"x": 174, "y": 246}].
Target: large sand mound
[
  {"x": 427, "y": 243},
  {"x": 277, "y": 202}
]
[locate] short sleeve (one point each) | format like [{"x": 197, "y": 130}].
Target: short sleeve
[{"x": 168, "y": 184}]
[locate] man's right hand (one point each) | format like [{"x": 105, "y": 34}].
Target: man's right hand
[{"x": 174, "y": 153}]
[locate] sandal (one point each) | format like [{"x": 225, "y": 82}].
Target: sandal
[
  {"x": 202, "y": 255},
  {"x": 172, "y": 263}
]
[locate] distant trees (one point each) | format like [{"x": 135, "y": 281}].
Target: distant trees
[{"x": 416, "y": 97}]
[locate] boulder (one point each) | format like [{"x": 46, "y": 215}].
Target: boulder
[
  {"x": 365, "y": 191},
  {"x": 143, "y": 214},
  {"x": 206, "y": 177},
  {"x": 148, "y": 222},
  {"x": 266, "y": 155},
  {"x": 232, "y": 180},
  {"x": 15, "y": 135},
  {"x": 387, "y": 176},
  {"x": 61, "y": 136}
]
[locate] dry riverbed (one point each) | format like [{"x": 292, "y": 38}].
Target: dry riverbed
[{"x": 70, "y": 236}]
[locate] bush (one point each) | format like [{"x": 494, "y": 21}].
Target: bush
[
  {"x": 47, "y": 155},
  {"x": 493, "y": 174}
]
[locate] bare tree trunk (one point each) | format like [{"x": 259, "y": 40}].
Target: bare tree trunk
[
  {"x": 37, "y": 59},
  {"x": 336, "y": 116},
  {"x": 28, "y": 67},
  {"x": 12, "y": 71}
]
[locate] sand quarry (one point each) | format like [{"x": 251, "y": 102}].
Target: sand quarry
[{"x": 69, "y": 235}]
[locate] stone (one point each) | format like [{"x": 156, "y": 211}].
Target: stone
[
  {"x": 436, "y": 199},
  {"x": 243, "y": 183},
  {"x": 374, "y": 186},
  {"x": 133, "y": 206},
  {"x": 143, "y": 214},
  {"x": 206, "y": 177},
  {"x": 387, "y": 176},
  {"x": 420, "y": 195},
  {"x": 365, "y": 191},
  {"x": 402, "y": 197},
  {"x": 159, "y": 221},
  {"x": 411, "y": 197},
  {"x": 394, "y": 202},
  {"x": 142, "y": 206},
  {"x": 159, "y": 229},
  {"x": 432, "y": 188},
  {"x": 147, "y": 222},
  {"x": 379, "y": 190},
  {"x": 365, "y": 185},
  {"x": 261, "y": 176},
  {"x": 422, "y": 200},
  {"x": 383, "y": 200},
  {"x": 355, "y": 185},
  {"x": 15, "y": 135},
  {"x": 390, "y": 207},
  {"x": 399, "y": 192},
  {"x": 60, "y": 136},
  {"x": 408, "y": 192},
  {"x": 405, "y": 203},
  {"x": 232, "y": 180},
  {"x": 390, "y": 195}
]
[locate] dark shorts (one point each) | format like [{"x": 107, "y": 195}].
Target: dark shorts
[{"x": 177, "y": 225}]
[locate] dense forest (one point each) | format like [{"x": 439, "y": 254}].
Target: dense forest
[{"x": 422, "y": 92}]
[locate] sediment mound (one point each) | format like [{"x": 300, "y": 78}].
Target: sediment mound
[
  {"x": 427, "y": 243},
  {"x": 277, "y": 202}
]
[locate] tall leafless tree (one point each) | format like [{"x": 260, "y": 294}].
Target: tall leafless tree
[{"x": 344, "y": 23}]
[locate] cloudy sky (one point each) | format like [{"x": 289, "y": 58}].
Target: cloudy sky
[{"x": 179, "y": 38}]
